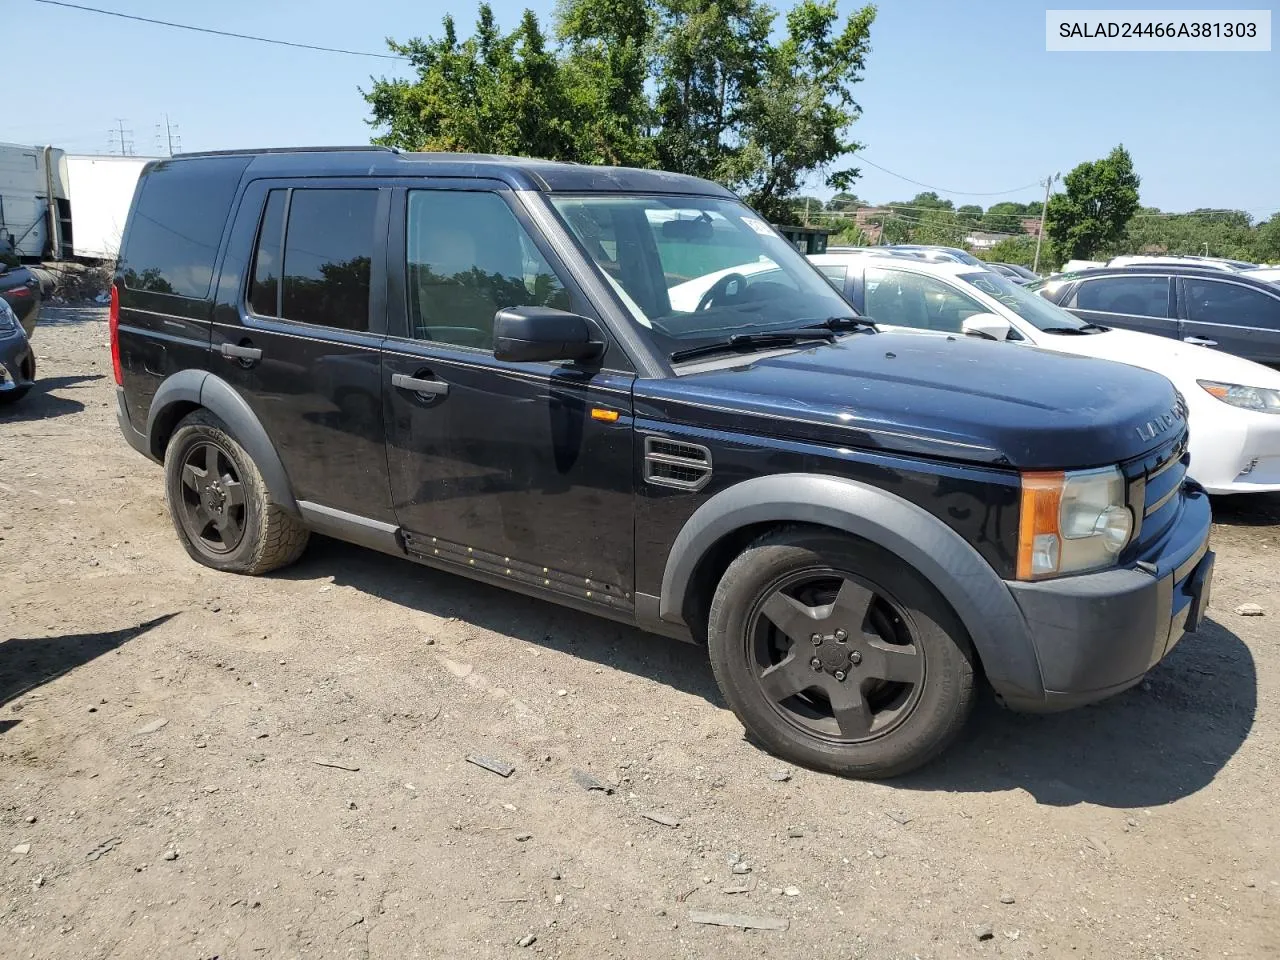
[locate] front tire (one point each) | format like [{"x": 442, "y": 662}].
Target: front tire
[
  {"x": 220, "y": 505},
  {"x": 837, "y": 655}
]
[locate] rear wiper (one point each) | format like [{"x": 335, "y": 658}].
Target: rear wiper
[{"x": 749, "y": 341}]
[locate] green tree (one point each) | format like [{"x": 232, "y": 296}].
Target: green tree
[
  {"x": 685, "y": 85},
  {"x": 491, "y": 93},
  {"x": 1091, "y": 215},
  {"x": 1266, "y": 247},
  {"x": 844, "y": 202},
  {"x": 1005, "y": 217},
  {"x": 970, "y": 215},
  {"x": 1019, "y": 250}
]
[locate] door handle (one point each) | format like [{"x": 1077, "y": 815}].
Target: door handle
[
  {"x": 417, "y": 385},
  {"x": 1200, "y": 341},
  {"x": 234, "y": 351}
]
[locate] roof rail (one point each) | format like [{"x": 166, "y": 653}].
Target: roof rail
[{"x": 363, "y": 148}]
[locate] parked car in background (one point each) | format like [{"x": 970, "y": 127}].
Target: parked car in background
[
  {"x": 1216, "y": 263},
  {"x": 855, "y": 529},
  {"x": 1025, "y": 272},
  {"x": 1265, "y": 274},
  {"x": 932, "y": 252},
  {"x": 17, "y": 362},
  {"x": 1072, "y": 265},
  {"x": 1007, "y": 272},
  {"x": 1233, "y": 405},
  {"x": 1198, "y": 305},
  {"x": 20, "y": 289}
]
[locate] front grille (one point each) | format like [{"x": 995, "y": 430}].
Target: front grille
[{"x": 1155, "y": 481}]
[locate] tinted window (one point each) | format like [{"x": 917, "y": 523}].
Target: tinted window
[
  {"x": 911, "y": 300},
  {"x": 264, "y": 289},
  {"x": 328, "y": 249},
  {"x": 177, "y": 223},
  {"x": 1140, "y": 296},
  {"x": 1214, "y": 302},
  {"x": 835, "y": 272},
  {"x": 469, "y": 257}
]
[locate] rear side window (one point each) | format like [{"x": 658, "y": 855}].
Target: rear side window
[
  {"x": 264, "y": 290},
  {"x": 1138, "y": 296},
  {"x": 321, "y": 275},
  {"x": 177, "y": 224},
  {"x": 1209, "y": 301}
]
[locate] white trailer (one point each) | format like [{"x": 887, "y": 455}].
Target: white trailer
[
  {"x": 101, "y": 190},
  {"x": 35, "y": 214}
]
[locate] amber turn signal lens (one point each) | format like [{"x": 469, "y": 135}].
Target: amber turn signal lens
[
  {"x": 1038, "y": 534},
  {"x": 608, "y": 416}
]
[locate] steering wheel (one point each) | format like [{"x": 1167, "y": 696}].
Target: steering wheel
[{"x": 720, "y": 290}]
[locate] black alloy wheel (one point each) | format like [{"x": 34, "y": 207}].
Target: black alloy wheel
[
  {"x": 835, "y": 656},
  {"x": 212, "y": 509}
]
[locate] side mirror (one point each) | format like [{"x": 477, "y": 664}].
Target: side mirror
[
  {"x": 989, "y": 326},
  {"x": 541, "y": 334}
]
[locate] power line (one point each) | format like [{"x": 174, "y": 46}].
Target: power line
[
  {"x": 967, "y": 193},
  {"x": 219, "y": 33}
]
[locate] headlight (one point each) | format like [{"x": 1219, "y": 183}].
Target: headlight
[
  {"x": 1071, "y": 522},
  {"x": 8, "y": 320},
  {"x": 1238, "y": 395}
]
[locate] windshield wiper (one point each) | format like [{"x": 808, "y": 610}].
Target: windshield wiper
[
  {"x": 1065, "y": 331},
  {"x": 843, "y": 323},
  {"x": 1095, "y": 328},
  {"x": 749, "y": 341}
]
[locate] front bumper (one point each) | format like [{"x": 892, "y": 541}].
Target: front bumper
[
  {"x": 1099, "y": 633},
  {"x": 17, "y": 363}
]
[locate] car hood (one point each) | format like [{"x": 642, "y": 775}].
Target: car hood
[
  {"x": 931, "y": 396},
  {"x": 1183, "y": 363}
]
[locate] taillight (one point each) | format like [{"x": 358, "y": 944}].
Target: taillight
[{"x": 113, "y": 326}]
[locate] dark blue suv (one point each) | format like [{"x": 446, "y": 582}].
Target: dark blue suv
[{"x": 622, "y": 391}]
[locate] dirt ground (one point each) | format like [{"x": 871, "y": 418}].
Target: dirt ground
[{"x": 162, "y": 727}]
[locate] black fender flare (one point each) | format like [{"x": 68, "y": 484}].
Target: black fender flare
[
  {"x": 974, "y": 590},
  {"x": 220, "y": 398}
]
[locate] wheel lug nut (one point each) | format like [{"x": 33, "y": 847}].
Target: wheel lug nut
[
  {"x": 855, "y": 657},
  {"x": 839, "y": 674},
  {"x": 841, "y": 636},
  {"x": 817, "y": 639},
  {"x": 815, "y": 663}
]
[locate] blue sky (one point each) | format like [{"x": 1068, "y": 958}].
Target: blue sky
[{"x": 960, "y": 95}]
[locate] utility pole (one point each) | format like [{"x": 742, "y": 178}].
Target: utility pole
[
  {"x": 169, "y": 138},
  {"x": 122, "y": 139},
  {"x": 1035, "y": 267}
]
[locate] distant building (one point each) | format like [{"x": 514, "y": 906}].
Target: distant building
[
  {"x": 979, "y": 240},
  {"x": 1031, "y": 226}
]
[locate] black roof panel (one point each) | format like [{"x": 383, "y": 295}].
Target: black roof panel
[{"x": 521, "y": 173}]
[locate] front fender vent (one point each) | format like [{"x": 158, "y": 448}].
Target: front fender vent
[{"x": 675, "y": 463}]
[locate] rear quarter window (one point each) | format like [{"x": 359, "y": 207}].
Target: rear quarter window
[{"x": 172, "y": 239}]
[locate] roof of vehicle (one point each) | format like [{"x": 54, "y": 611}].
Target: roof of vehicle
[
  {"x": 521, "y": 173},
  {"x": 1148, "y": 269},
  {"x": 946, "y": 268}
]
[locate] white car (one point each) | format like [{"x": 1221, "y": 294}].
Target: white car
[
  {"x": 1233, "y": 404},
  {"x": 1267, "y": 274}
]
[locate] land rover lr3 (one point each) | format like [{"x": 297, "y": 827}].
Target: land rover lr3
[{"x": 621, "y": 390}]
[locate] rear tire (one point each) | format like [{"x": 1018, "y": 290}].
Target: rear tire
[
  {"x": 220, "y": 505},
  {"x": 837, "y": 655}
]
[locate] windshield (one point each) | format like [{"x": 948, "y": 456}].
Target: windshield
[
  {"x": 698, "y": 269},
  {"x": 1031, "y": 307}
]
